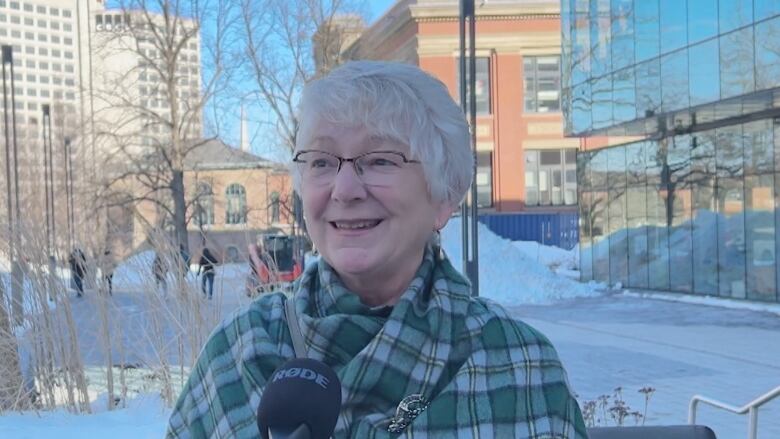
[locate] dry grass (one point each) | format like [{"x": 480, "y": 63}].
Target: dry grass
[{"x": 57, "y": 350}]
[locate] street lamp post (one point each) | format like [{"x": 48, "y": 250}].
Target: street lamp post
[
  {"x": 8, "y": 59},
  {"x": 46, "y": 112},
  {"x": 48, "y": 167},
  {"x": 69, "y": 190},
  {"x": 469, "y": 104},
  {"x": 48, "y": 171},
  {"x": 13, "y": 204}
]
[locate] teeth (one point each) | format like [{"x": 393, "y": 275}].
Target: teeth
[{"x": 356, "y": 225}]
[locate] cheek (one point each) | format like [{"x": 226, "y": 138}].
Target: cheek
[{"x": 314, "y": 202}]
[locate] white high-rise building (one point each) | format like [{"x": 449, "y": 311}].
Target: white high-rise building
[
  {"x": 131, "y": 80},
  {"x": 95, "y": 69},
  {"x": 50, "y": 54}
]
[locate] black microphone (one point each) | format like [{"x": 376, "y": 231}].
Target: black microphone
[{"x": 302, "y": 400}]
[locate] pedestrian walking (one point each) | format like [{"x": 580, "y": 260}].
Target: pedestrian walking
[
  {"x": 107, "y": 266},
  {"x": 207, "y": 263},
  {"x": 160, "y": 272},
  {"x": 78, "y": 263}
]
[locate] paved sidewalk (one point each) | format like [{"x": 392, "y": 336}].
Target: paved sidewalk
[{"x": 680, "y": 349}]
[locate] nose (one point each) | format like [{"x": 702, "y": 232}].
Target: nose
[{"x": 347, "y": 185}]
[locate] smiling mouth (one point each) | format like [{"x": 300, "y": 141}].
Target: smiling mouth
[{"x": 355, "y": 225}]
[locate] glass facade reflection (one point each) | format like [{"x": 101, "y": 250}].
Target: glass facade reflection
[
  {"x": 695, "y": 207},
  {"x": 670, "y": 60},
  {"x": 692, "y": 213}
]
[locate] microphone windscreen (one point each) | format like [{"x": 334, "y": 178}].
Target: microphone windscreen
[{"x": 301, "y": 391}]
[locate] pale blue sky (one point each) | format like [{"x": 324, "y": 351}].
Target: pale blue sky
[
  {"x": 378, "y": 7},
  {"x": 230, "y": 129}
]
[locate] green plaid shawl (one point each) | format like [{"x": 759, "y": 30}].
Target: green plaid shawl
[{"x": 483, "y": 373}]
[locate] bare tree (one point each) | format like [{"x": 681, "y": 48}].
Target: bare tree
[
  {"x": 154, "y": 93},
  {"x": 286, "y": 45}
]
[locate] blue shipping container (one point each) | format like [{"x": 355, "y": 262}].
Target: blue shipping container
[{"x": 559, "y": 229}]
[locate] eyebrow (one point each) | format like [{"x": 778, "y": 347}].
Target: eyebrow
[
  {"x": 371, "y": 141},
  {"x": 322, "y": 139}
]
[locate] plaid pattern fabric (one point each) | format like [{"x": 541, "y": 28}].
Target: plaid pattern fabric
[{"x": 483, "y": 373}]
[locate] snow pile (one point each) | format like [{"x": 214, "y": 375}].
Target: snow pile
[
  {"x": 135, "y": 271},
  {"x": 146, "y": 417},
  {"x": 507, "y": 275},
  {"x": 556, "y": 259}
]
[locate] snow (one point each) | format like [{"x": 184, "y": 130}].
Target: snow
[
  {"x": 145, "y": 417},
  {"x": 512, "y": 273},
  {"x": 680, "y": 345},
  {"x": 680, "y": 349}
]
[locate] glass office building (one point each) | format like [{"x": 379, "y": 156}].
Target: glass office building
[{"x": 693, "y": 207}]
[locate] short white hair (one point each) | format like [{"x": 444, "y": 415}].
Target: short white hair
[{"x": 401, "y": 102}]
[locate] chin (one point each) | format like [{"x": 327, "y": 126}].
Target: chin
[{"x": 352, "y": 260}]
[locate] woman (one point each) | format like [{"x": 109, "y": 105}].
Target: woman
[{"x": 382, "y": 161}]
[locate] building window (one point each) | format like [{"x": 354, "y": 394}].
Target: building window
[
  {"x": 204, "y": 207},
  {"x": 275, "y": 204},
  {"x": 542, "y": 76},
  {"x": 551, "y": 177},
  {"x": 482, "y": 88},
  {"x": 235, "y": 212},
  {"x": 484, "y": 179}
]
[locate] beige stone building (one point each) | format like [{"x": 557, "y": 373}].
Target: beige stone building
[{"x": 233, "y": 197}]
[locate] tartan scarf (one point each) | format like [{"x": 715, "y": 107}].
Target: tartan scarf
[{"x": 439, "y": 363}]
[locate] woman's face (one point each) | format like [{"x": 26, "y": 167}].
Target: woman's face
[{"x": 361, "y": 229}]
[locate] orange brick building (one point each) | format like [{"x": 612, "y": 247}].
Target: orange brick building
[{"x": 524, "y": 162}]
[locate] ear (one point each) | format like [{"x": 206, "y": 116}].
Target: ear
[{"x": 443, "y": 214}]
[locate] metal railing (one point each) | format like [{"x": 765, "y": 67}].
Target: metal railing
[{"x": 751, "y": 408}]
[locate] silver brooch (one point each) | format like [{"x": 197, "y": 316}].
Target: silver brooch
[{"x": 408, "y": 409}]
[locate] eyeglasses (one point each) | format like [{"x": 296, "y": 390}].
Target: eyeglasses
[{"x": 375, "y": 168}]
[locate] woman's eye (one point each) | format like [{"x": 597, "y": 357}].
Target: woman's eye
[
  {"x": 319, "y": 163},
  {"x": 382, "y": 162}
]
